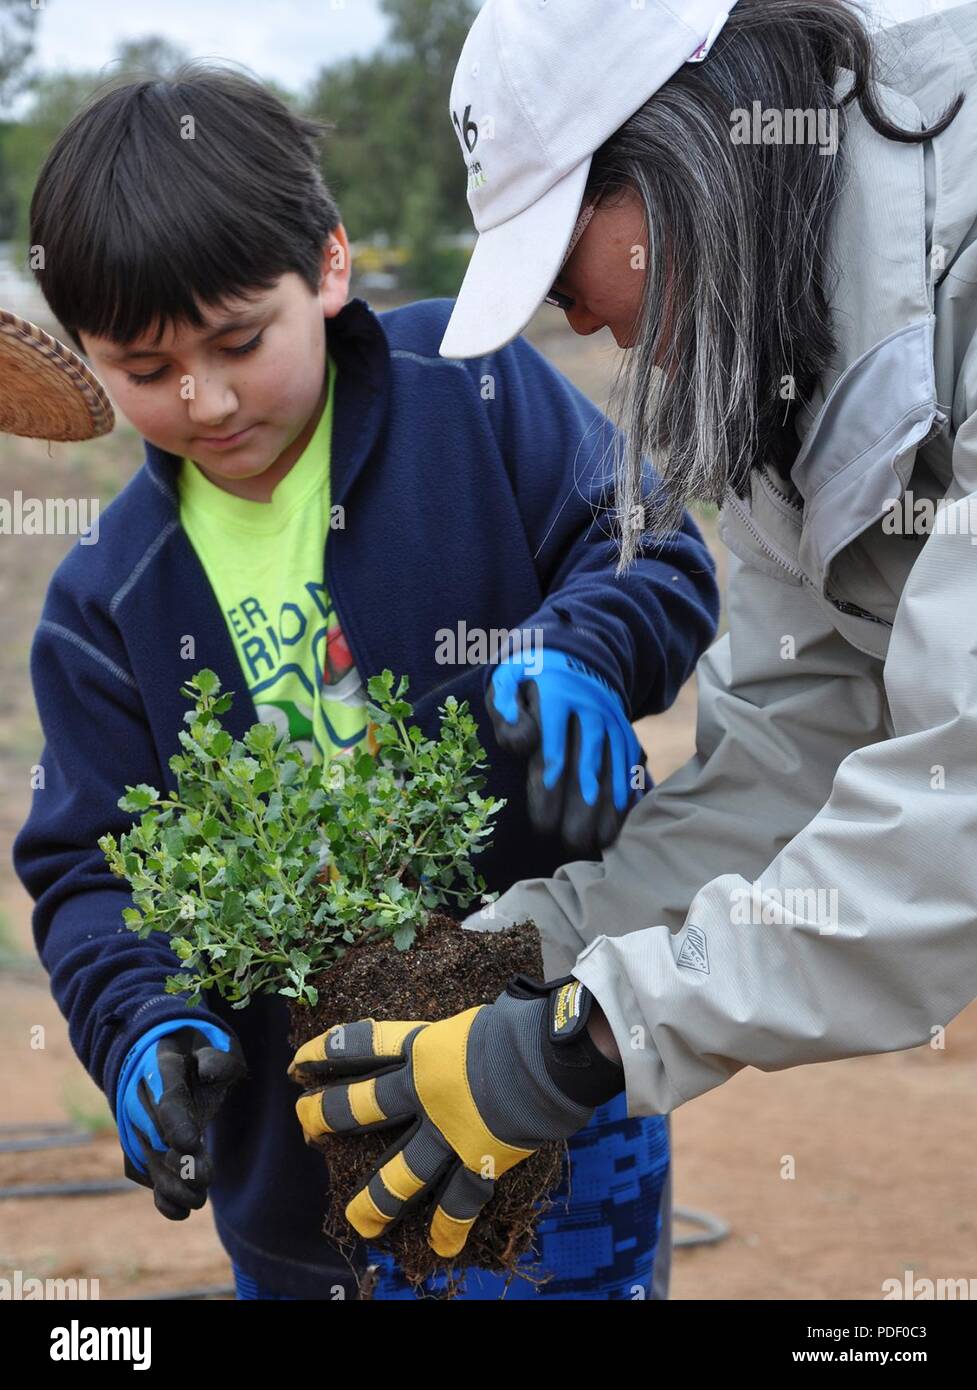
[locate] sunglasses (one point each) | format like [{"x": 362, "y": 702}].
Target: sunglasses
[{"x": 555, "y": 298}]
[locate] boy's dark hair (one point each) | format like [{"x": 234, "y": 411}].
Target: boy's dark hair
[{"x": 136, "y": 219}]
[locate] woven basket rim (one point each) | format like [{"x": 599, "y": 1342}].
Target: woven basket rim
[{"x": 46, "y": 390}]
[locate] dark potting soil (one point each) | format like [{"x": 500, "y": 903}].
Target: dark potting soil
[{"x": 446, "y": 971}]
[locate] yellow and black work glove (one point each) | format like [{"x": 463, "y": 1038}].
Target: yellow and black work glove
[{"x": 480, "y": 1092}]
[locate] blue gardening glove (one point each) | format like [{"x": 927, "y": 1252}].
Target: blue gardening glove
[
  {"x": 474, "y": 1094},
  {"x": 582, "y": 749},
  {"x": 173, "y": 1082}
]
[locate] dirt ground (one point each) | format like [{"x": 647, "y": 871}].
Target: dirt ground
[{"x": 882, "y": 1147}]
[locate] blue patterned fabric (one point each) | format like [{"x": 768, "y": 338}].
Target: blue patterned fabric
[
  {"x": 246, "y": 1287},
  {"x": 599, "y": 1239}
]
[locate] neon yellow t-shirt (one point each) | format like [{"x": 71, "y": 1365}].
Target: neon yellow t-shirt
[{"x": 265, "y": 561}]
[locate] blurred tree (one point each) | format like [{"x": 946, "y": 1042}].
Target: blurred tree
[
  {"x": 431, "y": 32},
  {"x": 8, "y": 193},
  {"x": 427, "y": 37},
  {"x": 364, "y": 100},
  {"x": 393, "y": 161},
  {"x": 55, "y": 99},
  {"x": 153, "y": 55},
  {"x": 433, "y": 269},
  {"x": 18, "y": 22}
]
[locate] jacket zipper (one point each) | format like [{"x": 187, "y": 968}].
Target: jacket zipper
[
  {"x": 744, "y": 515},
  {"x": 856, "y": 611},
  {"x": 842, "y": 605},
  {"x": 791, "y": 501}
]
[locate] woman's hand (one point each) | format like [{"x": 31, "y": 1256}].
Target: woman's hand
[{"x": 480, "y": 1093}]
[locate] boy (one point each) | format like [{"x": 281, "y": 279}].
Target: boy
[{"x": 322, "y": 497}]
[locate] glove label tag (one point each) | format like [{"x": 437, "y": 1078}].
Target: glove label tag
[{"x": 569, "y": 1010}]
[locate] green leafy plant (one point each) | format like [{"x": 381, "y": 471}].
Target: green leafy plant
[{"x": 264, "y": 870}]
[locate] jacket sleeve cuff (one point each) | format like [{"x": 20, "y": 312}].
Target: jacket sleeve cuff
[
  {"x": 157, "y": 1009},
  {"x": 646, "y": 1083},
  {"x": 577, "y": 642}
]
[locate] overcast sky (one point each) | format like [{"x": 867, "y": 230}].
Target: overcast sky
[{"x": 288, "y": 40}]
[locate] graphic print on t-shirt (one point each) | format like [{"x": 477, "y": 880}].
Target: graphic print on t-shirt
[{"x": 300, "y": 671}]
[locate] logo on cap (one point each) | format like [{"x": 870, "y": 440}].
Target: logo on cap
[{"x": 463, "y": 130}]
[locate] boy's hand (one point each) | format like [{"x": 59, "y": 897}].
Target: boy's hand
[
  {"x": 476, "y": 1094},
  {"x": 582, "y": 746},
  {"x": 172, "y": 1084}
]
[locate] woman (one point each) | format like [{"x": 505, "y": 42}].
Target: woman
[{"x": 801, "y": 312}]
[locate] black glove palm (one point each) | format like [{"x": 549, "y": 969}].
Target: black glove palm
[{"x": 167, "y": 1103}]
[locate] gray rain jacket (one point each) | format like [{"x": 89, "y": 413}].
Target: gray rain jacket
[{"x": 805, "y": 887}]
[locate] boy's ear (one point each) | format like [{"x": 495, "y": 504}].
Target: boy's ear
[{"x": 336, "y": 271}]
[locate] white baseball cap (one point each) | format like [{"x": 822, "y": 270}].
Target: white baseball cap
[{"x": 540, "y": 85}]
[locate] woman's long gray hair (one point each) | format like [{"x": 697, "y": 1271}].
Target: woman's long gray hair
[{"x": 735, "y": 299}]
